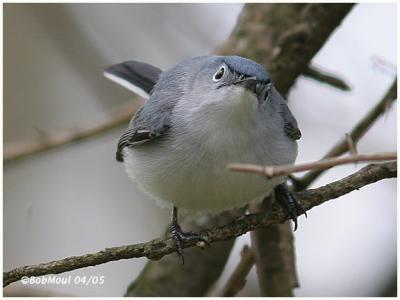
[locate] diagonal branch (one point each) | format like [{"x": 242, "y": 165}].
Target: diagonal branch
[
  {"x": 355, "y": 134},
  {"x": 237, "y": 280},
  {"x": 324, "y": 77},
  {"x": 21, "y": 149},
  {"x": 158, "y": 248}
]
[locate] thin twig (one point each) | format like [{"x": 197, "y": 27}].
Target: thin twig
[
  {"x": 272, "y": 171},
  {"x": 237, "y": 280},
  {"x": 356, "y": 133},
  {"x": 322, "y": 76},
  {"x": 157, "y": 248},
  {"x": 45, "y": 141},
  {"x": 351, "y": 144}
]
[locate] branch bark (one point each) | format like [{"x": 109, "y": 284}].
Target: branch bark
[
  {"x": 168, "y": 276},
  {"x": 158, "y": 248},
  {"x": 275, "y": 261}
]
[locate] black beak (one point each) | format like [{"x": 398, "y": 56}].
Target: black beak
[{"x": 249, "y": 83}]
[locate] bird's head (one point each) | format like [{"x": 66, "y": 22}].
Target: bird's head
[{"x": 226, "y": 80}]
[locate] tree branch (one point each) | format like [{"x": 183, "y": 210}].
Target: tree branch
[
  {"x": 275, "y": 260},
  {"x": 18, "y": 150},
  {"x": 355, "y": 134},
  {"x": 238, "y": 277},
  {"x": 273, "y": 171},
  {"x": 201, "y": 268},
  {"x": 158, "y": 248},
  {"x": 324, "y": 77}
]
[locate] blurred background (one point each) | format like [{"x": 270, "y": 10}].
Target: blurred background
[{"x": 77, "y": 199}]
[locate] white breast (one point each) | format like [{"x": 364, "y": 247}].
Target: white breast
[{"x": 189, "y": 170}]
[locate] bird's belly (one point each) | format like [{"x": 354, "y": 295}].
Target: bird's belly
[
  {"x": 193, "y": 176},
  {"x": 215, "y": 191}
]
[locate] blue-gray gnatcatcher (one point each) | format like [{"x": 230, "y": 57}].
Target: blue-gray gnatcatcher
[{"x": 201, "y": 115}]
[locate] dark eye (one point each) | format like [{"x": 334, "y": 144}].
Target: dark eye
[{"x": 220, "y": 73}]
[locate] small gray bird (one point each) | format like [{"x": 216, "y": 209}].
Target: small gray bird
[{"x": 201, "y": 115}]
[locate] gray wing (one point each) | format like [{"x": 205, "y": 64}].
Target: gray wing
[
  {"x": 290, "y": 123},
  {"x": 143, "y": 127},
  {"x": 150, "y": 121}
]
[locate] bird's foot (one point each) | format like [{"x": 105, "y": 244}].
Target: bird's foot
[
  {"x": 181, "y": 236},
  {"x": 289, "y": 202}
]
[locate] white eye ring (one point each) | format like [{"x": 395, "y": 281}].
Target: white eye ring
[{"x": 219, "y": 74}]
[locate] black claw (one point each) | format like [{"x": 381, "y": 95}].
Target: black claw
[
  {"x": 181, "y": 236},
  {"x": 290, "y": 203},
  {"x": 295, "y": 223},
  {"x": 303, "y": 211}
]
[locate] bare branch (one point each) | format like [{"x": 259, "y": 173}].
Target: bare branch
[
  {"x": 238, "y": 277},
  {"x": 324, "y": 77},
  {"x": 157, "y": 248},
  {"x": 45, "y": 142},
  {"x": 272, "y": 171},
  {"x": 355, "y": 134}
]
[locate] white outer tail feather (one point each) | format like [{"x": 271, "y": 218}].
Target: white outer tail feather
[{"x": 128, "y": 85}]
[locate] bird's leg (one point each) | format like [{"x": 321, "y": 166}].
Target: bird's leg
[
  {"x": 289, "y": 202},
  {"x": 181, "y": 236}
]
